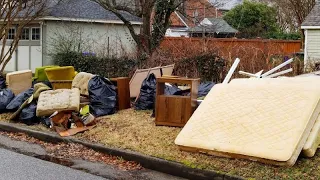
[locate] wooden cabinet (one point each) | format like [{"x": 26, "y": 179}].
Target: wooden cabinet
[
  {"x": 174, "y": 110},
  {"x": 123, "y": 92}
]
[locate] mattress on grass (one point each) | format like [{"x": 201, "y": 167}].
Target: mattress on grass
[
  {"x": 58, "y": 100},
  {"x": 313, "y": 141},
  {"x": 266, "y": 123}
]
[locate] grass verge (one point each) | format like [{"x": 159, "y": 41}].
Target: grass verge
[{"x": 136, "y": 131}]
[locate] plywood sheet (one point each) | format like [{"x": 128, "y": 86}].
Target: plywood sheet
[
  {"x": 141, "y": 74},
  {"x": 263, "y": 123}
]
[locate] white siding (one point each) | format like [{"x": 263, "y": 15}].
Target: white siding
[
  {"x": 23, "y": 58},
  {"x": 11, "y": 66},
  {"x": 94, "y": 35},
  {"x": 176, "y": 33},
  {"x": 312, "y": 45},
  {"x": 36, "y": 57}
]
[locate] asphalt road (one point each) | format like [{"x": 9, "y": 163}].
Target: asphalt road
[{"x": 14, "y": 166}]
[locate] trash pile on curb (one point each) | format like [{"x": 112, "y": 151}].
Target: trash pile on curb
[
  {"x": 66, "y": 110},
  {"x": 267, "y": 117}
]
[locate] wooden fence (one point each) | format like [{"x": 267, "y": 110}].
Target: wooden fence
[
  {"x": 228, "y": 48},
  {"x": 255, "y": 54}
]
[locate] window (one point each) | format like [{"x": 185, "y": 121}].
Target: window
[
  {"x": 35, "y": 34},
  {"x": 11, "y": 33},
  {"x": 25, "y": 34}
]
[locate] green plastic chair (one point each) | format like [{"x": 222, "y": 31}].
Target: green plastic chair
[{"x": 40, "y": 74}]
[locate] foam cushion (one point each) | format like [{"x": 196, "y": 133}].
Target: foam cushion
[
  {"x": 267, "y": 123},
  {"x": 81, "y": 82},
  {"x": 58, "y": 100},
  {"x": 19, "y": 81}
]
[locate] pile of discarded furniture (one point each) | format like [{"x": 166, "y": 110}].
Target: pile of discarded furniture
[
  {"x": 265, "y": 119},
  {"x": 61, "y": 98},
  {"x": 268, "y": 117}
]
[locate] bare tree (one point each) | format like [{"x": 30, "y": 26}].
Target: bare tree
[
  {"x": 291, "y": 13},
  {"x": 15, "y": 15},
  {"x": 155, "y": 15}
]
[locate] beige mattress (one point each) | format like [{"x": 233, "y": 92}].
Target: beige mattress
[
  {"x": 313, "y": 140},
  {"x": 58, "y": 100},
  {"x": 19, "y": 81},
  {"x": 267, "y": 123}
]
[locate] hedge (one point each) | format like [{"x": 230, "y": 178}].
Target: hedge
[{"x": 107, "y": 67}]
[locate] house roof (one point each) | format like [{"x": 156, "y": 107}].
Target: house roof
[
  {"x": 218, "y": 26},
  {"x": 226, "y": 4},
  {"x": 177, "y": 20},
  {"x": 193, "y": 12},
  {"x": 313, "y": 19},
  {"x": 86, "y": 9}
]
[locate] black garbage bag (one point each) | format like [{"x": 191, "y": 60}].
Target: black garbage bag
[
  {"x": 6, "y": 96},
  {"x": 2, "y": 82},
  {"x": 147, "y": 95},
  {"x": 46, "y": 121},
  {"x": 19, "y": 99},
  {"x": 204, "y": 88},
  {"x": 28, "y": 114},
  {"x": 172, "y": 90},
  {"x": 102, "y": 94}
]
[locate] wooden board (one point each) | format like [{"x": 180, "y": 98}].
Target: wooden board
[
  {"x": 123, "y": 92},
  {"x": 141, "y": 74}
]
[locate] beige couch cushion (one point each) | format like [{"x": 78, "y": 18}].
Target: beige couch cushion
[
  {"x": 81, "y": 82},
  {"x": 58, "y": 100},
  {"x": 19, "y": 81}
]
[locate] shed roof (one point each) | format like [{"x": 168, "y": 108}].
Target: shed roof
[
  {"x": 218, "y": 26},
  {"x": 313, "y": 19},
  {"x": 86, "y": 9}
]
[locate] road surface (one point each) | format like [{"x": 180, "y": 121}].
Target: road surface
[{"x": 14, "y": 166}]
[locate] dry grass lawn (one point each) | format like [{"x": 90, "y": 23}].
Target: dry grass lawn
[{"x": 136, "y": 131}]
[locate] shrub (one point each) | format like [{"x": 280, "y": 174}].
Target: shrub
[
  {"x": 108, "y": 67},
  {"x": 284, "y": 36},
  {"x": 207, "y": 66}
]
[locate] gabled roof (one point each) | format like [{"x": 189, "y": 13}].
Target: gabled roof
[
  {"x": 193, "y": 12},
  {"x": 86, "y": 9},
  {"x": 226, "y": 4},
  {"x": 177, "y": 20},
  {"x": 217, "y": 25},
  {"x": 313, "y": 19}
]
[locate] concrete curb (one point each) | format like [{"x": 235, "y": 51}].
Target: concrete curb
[{"x": 157, "y": 164}]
